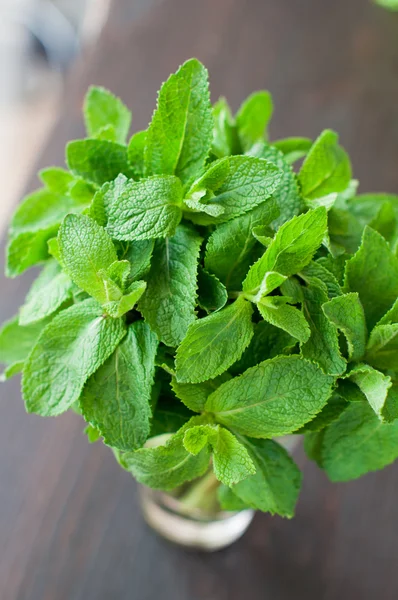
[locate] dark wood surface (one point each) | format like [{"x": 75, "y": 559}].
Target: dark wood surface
[{"x": 70, "y": 525}]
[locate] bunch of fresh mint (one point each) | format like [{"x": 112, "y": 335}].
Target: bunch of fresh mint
[{"x": 195, "y": 284}]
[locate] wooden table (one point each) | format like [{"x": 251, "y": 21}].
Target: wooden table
[{"x": 70, "y": 526}]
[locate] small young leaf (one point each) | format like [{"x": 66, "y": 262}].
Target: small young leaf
[
  {"x": 168, "y": 304},
  {"x": 277, "y": 311},
  {"x": 253, "y": 117},
  {"x": 293, "y": 148},
  {"x": 274, "y": 398},
  {"x": 373, "y": 273},
  {"x": 103, "y": 109},
  {"x": 118, "y": 308},
  {"x": 347, "y": 314},
  {"x": 214, "y": 343},
  {"x": 97, "y": 161},
  {"x": 358, "y": 443},
  {"x": 69, "y": 350},
  {"x": 326, "y": 168},
  {"x": 180, "y": 134},
  {"x": 276, "y": 484},
  {"x": 147, "y": 209},
  {"x": 116, "y": 399},
  {"x": 135, "y": 153},
  {"x": 85, "y": 249},
  {"x": 225, "y": 138},
  {"x": 373, "y": 384},
  {"x": 231, "y": 460}
]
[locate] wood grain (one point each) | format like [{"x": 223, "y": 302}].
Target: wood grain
[{"x": 70, "y": 526}]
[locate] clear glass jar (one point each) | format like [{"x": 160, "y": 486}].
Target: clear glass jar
[{"x": 191, "y": 516}]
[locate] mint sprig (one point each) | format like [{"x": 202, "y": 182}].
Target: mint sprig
[{"x": 197, "y": 285}]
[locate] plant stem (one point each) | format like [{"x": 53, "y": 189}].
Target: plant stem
[{"x": 202, "y": 494}]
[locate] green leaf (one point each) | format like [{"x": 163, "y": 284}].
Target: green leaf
[
  {"x": 390, "y": 409},
  {"x": 323, "y": 344},
  {"x": 168, "y": 304},
  {"x": 147, "y": 209},
  {"x": 169, "y": 416},
  {"x": 180, "y": 134},
  {"x": 118, "y": 308},
  {"x": 373, "y": 273},
  {"x": 86, "y": 249},
  {"x": 379, "y": 211},
  {"x": 293, "y": 148},
  {"x": 49, "y": 291},
  {"x": 291, "y": 249},
  {"x": 382, "y": 350},
  {"x": 313, "y": 441},
  {"x": 135, "y": 153},
  {"x": 103, "y": 109},
  {"x": 317, "y": 270},
  {"x": 235, "y": 183},
  {"x": 194, "y": 395},
  {"x": 330, "y": 412},
  {"x": 214, "y": 343},
  {"x": 212, "y": 294},
  {"x": 231, "y": 248},
  {"x": 347, "y": 314},
  {"x": 276, "y": 485},
  {"x": 373, "y": 384},
  {"x": 326, "y": 168},
  {"x": 139, "y": 254},
  {"x": 358, "y": 443},
  {"x": 169, "y": 466},
  {"x": 231, "y": 460},
  {"x": 267, "y": 342},
  {"x": 16, "y": 341},
  {"x": 97, "y": 161},
  {"x": 57, "y": 180},
  {"x": 104, "y": 198},
  {"x": 12, "y": 370},
  {"x": 277, "y": 311},
  {"x": 287, "y": 195},
  {"x": 253, "y": 117},
  {"x": 116, "y": 399},
  {"x": 93, "y": 435},
  {"x": 274, "y": 398},
  {"x": 225, "y": 138},
  {"x": 69, "y": 350},
  {"x": 228, "y": 500}
]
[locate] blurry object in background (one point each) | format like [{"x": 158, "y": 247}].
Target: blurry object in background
[
  {"x": 389, "y": 4},
  {"x": 39, "y": 41}
]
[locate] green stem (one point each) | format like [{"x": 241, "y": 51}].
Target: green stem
[{"x": 202, "y": 494}]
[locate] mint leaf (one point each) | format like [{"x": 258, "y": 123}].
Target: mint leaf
[
  {"x": 316, "y": 271},
  {"x": 293, "y": 148},
  {"x": 382, "y": 350},
  {"x": 135, "y": 153},
  {"x": 146, "y": 209},
  {"x": 326, "y": 168},
  {"x": 57, "y": 180},
  {"x": 358, "y": 443},
  {"x": 214, "y": 343},
  {"x": 212, "y": 294},
  {"x": 12, "y": 370},
  {"x": 276, "y": 484},
  {"x": 373, "y": 273},
  {"x": 70, "y": 349},
  {"x": 231, "y": 248},
  {"x": 253, "y": 117},
  {"x": 97, "y": 161},
  {"x": 291, "y": 249},
  {"x": 373, "y": 384},
  {"x": 235, "y": 183},
  {"x": 169, "y": 301},
  {"x": 323, "y": 344},
  {"x": 267, "y": 342},
  {"x": 277, "y": 311},
  {"x": 118, "y": 308},
  {"x": 228, "y": 500},
  {"x": 180, "y": 134},
  {"x": 50, "y": 290},
  {"x": 116, "y": 399},
  {"x": 166, "y": 467},
  {"x": 16, "y": 341},
  {"x": 194, "y": 395},
  {"x": 330, "y": 412},
  {"x": 225, "y": 138},
  {"x": 231, "y": 460},
  {"x": 347, "y": 314},
  {"x": 274, "y": 398},
  {"x": 104, "y": 198},
  {"x": 103, "y": 109},
  {"x": 287, "y": 195},
  {"x": 85, "y": 249}
]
